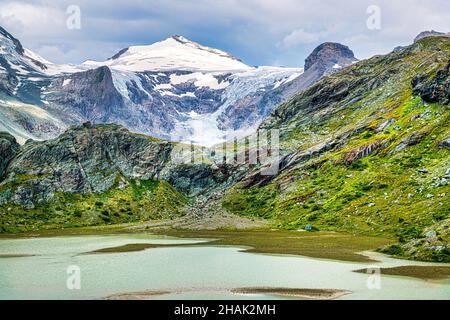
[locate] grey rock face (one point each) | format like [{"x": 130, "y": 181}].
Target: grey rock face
[
  {"x": 327, "y": 55},
  {"x": 21, "y": 80},
  {"x": 436, "y": 89},
  {"x": 411, "y": 140},
  {"x": 445, "y": 144},
  {"x": 89, "y": 96},
  {"x": 326, "y": 59},
  {"x": 8, "y": 150},
  {"x": 18, "y": 46},
  {"x": 94, "y": 158},
  {"x": 94, "y": 96},
  {"x": 194, "y": 179},
  {"x": 85, "y": 159}
]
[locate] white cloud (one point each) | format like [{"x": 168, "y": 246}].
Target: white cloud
[
  {"x": 27, "y": 18},
  {"x": 300, "y": 36},
  {"x": 258, "y": 31}
]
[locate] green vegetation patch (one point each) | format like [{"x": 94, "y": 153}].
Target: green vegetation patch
[
  {"x": 421, "y": 272},
  {"x": 326, "y": 245},
  {"x": 131, "y": 201}
]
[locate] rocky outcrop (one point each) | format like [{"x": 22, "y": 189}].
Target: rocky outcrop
[
  {"x": 326, "y": 59},
  {"x": 410, "y": 140},
  {"x": 434, "y": 89},
  {"x": 86, "y": 159},
  {"x": 8, "y": 150},
  {"x": 329, "y": 56},
  {"x": 194, "y": 179},
  {"x": 362, "y": 151},
  {"x": 91, "y": 159},
  {"x": 17, "y": 45},
  {"x": 90, "y": 95},
  {"x": 445, "y": 143}
]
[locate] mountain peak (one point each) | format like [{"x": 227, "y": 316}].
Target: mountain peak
[
  {"x": 16, "y": 43},
  {"x": 431, "y": 33},
  {"x": 180, "y": 38},
  {"x": 330, "y": 55}
]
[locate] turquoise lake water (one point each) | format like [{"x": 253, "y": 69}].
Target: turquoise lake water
[{"x": 200, "y": 272}]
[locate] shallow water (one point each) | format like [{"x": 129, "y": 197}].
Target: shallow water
[{"x": 201, "y": 272}]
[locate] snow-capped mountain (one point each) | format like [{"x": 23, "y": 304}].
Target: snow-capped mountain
[
  {"x": 174, "y": 53},
  {"x": 24, "y": 61},
  {"x": 22, "y": 76},
  {"x": 174, "y": 89}
]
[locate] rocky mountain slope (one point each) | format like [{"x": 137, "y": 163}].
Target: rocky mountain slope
[
  {"x": 366, "y": 151},
  {"x": 21, "y": 78},
  {"x": 175, "y": 89}
]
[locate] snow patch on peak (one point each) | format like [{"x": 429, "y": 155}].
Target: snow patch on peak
[
  {"x": 198, "y": 46},
  {"x": 180, "y": 39},
  {"x": 51, "y": 68}
]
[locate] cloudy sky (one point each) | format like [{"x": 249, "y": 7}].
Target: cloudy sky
[{"x": 260, "y": 32}]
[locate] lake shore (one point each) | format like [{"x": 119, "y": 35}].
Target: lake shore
[
  {"x": 419, "y": 272},
  {"x": 323, "y": 245},
  {"x": 295, "y": 293}
]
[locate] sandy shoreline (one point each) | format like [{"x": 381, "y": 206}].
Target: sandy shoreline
[
  {"x": 316, "y": 294},
  {"x": 320, "y": 294}
]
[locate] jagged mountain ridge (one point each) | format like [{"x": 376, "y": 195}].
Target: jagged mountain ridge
[
  {"x": 175, "y": 89},
  {"x": 431, "y": 33},
  {"x": 21, "y": 78}
]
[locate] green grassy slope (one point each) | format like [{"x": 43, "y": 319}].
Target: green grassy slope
[{"x": 127, "y": 201}]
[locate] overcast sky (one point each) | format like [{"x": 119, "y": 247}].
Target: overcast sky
[{"x": 260, "y": 32}]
